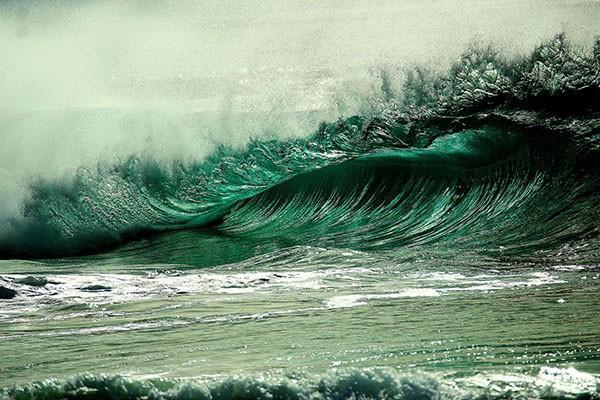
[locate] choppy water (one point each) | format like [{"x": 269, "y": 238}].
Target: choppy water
[{"x": 445, "y": 245}]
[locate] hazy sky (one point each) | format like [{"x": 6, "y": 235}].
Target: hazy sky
[{"x": 65, "y": 52}]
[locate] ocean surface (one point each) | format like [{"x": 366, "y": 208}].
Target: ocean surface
[{"x": 442, "y": 242}]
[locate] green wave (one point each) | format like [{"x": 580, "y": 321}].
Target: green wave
[
  {"x": 496, "y": 154},
  {"x": 485, "y": 189}
]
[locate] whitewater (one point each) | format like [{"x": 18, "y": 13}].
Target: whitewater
[{"x": 299, "y": 200}]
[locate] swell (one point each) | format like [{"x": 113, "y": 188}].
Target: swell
[{"x": 496, "y": 154}]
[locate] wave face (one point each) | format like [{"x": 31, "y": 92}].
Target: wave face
[{"x": 496, "y": 155}]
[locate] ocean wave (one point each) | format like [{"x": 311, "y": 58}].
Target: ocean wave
[
  {"x": 369, "y": 383},
  {"x": 469, "y": 154}
]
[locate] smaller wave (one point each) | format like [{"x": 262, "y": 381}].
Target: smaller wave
[{"x": 369, "y": 383}]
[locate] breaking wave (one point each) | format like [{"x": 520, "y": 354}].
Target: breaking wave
[
  {"x": 498, "y": 155},
  {"x": 373, "y": 383}
]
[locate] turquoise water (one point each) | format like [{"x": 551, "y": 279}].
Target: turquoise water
[{"x": 445, "y": 246}]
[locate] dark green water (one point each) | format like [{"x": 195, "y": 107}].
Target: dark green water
[{"x": 446, "y": 247}]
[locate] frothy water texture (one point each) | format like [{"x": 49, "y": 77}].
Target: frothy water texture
[{"x": 299, "y": 200}]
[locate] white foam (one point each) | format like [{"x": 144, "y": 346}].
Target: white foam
[{"x": 355, "y": 300}]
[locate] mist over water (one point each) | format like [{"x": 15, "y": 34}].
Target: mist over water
[{"x": 63, "y": 59}]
